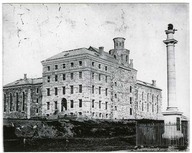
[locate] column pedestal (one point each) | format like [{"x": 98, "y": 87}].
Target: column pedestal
[{"x": 172, "y": 128}]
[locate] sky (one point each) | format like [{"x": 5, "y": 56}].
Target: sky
[{"x": 34, "y": 32}]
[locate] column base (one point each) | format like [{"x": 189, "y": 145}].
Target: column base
[{"x": 172, "y": 124}]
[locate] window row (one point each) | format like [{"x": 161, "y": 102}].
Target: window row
[
  {"x": 100, "y": 77},
  {"x": 99, "y": 66},
  {"x": 64, "y": 77},
  {"x": 101, "y": 115},
  {"x": 63, "y": 66},
  {"x": 100, "y": 104},
  {"x": 64, "y": 105},
  {"x": 80, "y": 90},
  {"x": 148, "y": 107},
  {"x": 18, "y": 102},
  {"x": 150, "y": 97}
]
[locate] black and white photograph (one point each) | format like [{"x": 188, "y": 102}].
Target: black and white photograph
[{"x": 95, "y": 77}]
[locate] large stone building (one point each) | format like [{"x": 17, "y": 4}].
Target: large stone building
[{"x": 89, "y": 83}]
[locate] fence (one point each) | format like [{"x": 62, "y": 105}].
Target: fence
[{"x": 150, "y": 134}]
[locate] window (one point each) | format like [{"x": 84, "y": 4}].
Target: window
[
  {"x": 152, "y": 98},
  {"x": 80, "y": 113},
  {"x": 63, "y": 104},
  {"x": 115, "y": 56},
  {"x": 71, "y": 89},
  {"x": 99, "y": 77},
  {"x": 157, "y": 108},
  {"x": 48, "y": 91},
  {"x": 92, "y": 89},
  {"x": 80, "y": 63},
  {"x": 80, "y": 103},
  {"x": 99, "y": 66},
  {"x": 56, "y": 91},
  {"x": 115, "y": 107},
  {"x": 5, "y": 109},
  {"x": 147, "y": 107},
  {"x": 56, "y": 77},
  {"x": 55, "y": 104},
  {"x": 63, "y": 66},
  {"x": 63, "y": 90},
  {"x": 105, "y": 68},
  {"x": 105, "y": 78},
  {"x": 93, "y": 63},
  {"x": 80, "y": 88},
  {"x": 93, "y": 103},
  {"x": 71, "y": 76},
  {"x": 48, "y": 105},
  {"x": 48, "y": 68},
  {"x": 152, "y": 107},
  {"x": 17, "y": 101},
  {"x": 142, "y": 107},
  {"x": 99, "y": 90},
  {"x": 37, "y": 90},
  {"x": 37, "y": 100},
  {"x": 99, "y": 104},
  {"x": 126, "y": 58},
  {"x": 131, "y": 100},
  {"x": 142, "y": 95},
  {"x": 23, "y": 102},
  {"x": 106, "y": 105},
  {"x": 121, "y": 57},
  {"x": 92, "y": 75},
  {"x": 56, "y": 67},
  {"x": 130, "y": 89},
  {"x": 71, "y": 103},
  {"x": 115, "y": 83},
  {"x": 131, "y": 111},
  {"x": 37, "y": 111},
  {"x": 106, "y": 115},
  {"x": 115, "y": 95},
  {"x": 48, "y": 78},
  {"x": 99, "y": 114},
  {"x": 148, "y": 97},
  {"x": 72, "y": 64},
  {"x": 80, "y": 75},
  {"x": 64, "y": 77},
  {"x": 106, "y": 92},
  {"x": 178, "y": 123}
]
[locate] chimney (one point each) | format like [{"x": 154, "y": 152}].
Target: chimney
[
  {"x": 154, "y": 83},
  {"x": 25, "y": 76},
  {"x": 101, "y": 49}
]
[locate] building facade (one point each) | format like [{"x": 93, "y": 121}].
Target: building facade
[
  {"x": 22, "y": 98},
  {"x": 94, "y": 84}
]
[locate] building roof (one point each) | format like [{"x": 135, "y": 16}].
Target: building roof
[
  {"x": 147, "y": 84},
  {"x": 27, "y": 81},
  {"x": 91, "y": 50}
]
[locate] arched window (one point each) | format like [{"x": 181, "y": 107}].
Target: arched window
[
  {"x": 23, "y": 102},
  {"x": 17, "y": 101},
  {"x": 63, "y": 104},
  {"x": 5, "y": 104},
  {"x": 11, "y": 102},
  {"x": 152, "y": 98},
  {"x": 126, "y": 58},
  {"x": 148, "y": 97}
]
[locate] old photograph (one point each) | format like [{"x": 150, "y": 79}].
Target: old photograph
[{"x": 95, "y": 77}]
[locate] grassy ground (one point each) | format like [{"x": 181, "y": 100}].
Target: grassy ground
[{"x": 73, "y": 144}]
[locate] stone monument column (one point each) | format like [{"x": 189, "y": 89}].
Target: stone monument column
[{"x": 172, "y": 117}]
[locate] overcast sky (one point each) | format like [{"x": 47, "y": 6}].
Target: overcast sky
[{"x": 34, "y": 32}]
